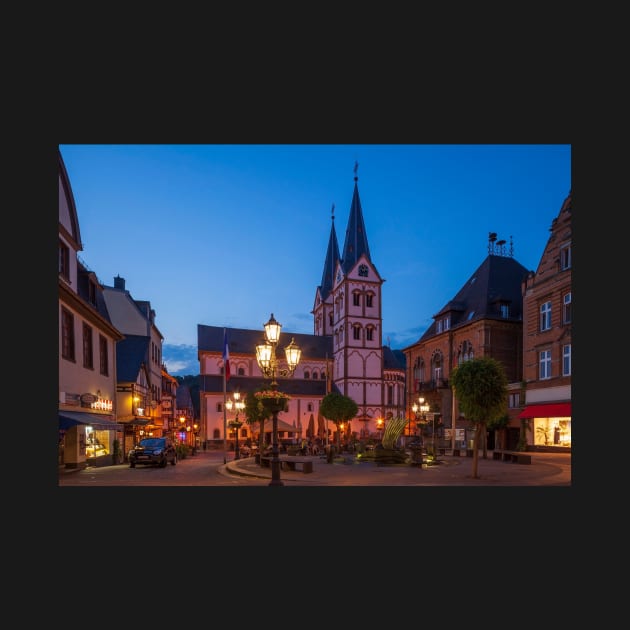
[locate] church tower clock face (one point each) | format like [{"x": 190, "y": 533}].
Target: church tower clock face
[{"x": 363, "y": 271}]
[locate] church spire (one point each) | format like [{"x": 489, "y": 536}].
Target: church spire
[
  {"x": 332, "y": 256},
  {"x": 356, "y": 244}
]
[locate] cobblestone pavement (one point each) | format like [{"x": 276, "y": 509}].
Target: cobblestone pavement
[
  {"x": 208, "y": 469},
  {"x": 546, "y": 469}
]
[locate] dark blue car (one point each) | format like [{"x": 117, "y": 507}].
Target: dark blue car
[{"x": 155, "y": 451}]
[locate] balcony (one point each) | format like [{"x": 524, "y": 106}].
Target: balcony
[{"x": 430, "y": 386}]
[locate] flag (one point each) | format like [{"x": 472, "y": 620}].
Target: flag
[{"x": 226, "y": 356}]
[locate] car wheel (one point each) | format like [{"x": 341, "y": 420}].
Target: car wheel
[{"x": 163, "y": 463}]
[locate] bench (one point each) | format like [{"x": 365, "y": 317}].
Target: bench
[
  {"x": 292, "y": 463},
  {"x": 289, "y": 463},
  {"x": 516, "y": 457}
]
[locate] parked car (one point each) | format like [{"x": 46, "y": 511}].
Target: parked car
[{"x": 156, "y": 451}]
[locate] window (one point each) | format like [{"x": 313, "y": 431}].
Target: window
[
  {"x": 390, "y": 394},
  {"x": 438, "y": 326},
  {"x": 370, "y": 334},
  {"x": 514, "y": 401},
  {"x": 309, "y": 407},
  {"x": 314, "y": 374},
  {"x": 355, "y": 299},
  {"x": 368, "y": 300},
  {"x": 330, "y": 319},
  {"x": 566, "y": 308},
  {"x": 418, "y": 372},
  {"x": 447, "y": 322},
  {"x": 466, "y": 352},
  {"x": 64, "y": 260},
  {"x": 356, "y": 332},
  {"x": 241, "y": 371},
  {"x": 322, "y": 376},
  {"x": 505, "y": 311},
  {"x": 104, "y": 355},
  {"x": 219, "y": 406},
  {"x": 363, "y": 271},
  {"x": 307, "y": 374},
  {"x": 566, "y": 360},
  {"x": 88, "y": 349},
  {"x": 545, "y": 316},
  {"x": 545, "y": 364},
  {"x": 67, "y": 335},
  {"x": 565, "y": 258}
]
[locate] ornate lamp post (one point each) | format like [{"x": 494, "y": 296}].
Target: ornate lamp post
[
  {"x": 236, "y": 424},
  {"x": 275, "y": 401},
  {"x": 421, "y": 407}
]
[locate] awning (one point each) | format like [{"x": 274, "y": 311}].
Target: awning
[
  {"x": 554, "y": 410},
  {"x": 69, "y": 419},
  {"x": 282, "y": 426}
]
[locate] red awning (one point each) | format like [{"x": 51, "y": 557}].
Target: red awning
[{"x": 555, "y": 410}]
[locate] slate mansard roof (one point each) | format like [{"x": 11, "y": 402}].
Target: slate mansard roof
[{"x": 497, "y": 281}]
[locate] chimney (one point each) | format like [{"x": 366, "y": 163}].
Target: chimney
[{"x": 119, "y": 283}]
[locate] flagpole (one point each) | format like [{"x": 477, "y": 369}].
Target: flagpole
[{"x": 224, "y": 409}]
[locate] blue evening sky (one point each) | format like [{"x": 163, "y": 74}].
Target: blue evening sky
[{"x": 225, "y": 235}]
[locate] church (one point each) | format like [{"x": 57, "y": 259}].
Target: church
[{"x": 345, "y": 354}]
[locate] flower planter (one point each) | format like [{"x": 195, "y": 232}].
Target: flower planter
[{"x": 272, "y": 400}]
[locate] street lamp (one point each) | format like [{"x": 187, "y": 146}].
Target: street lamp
[
  {"x": 421, "y": 407},
  {"x": 269, "y": 366},
  {"x": 182, "y": 420},
  {"x": 236, "y": 424},
  {"x": 379, "y": 426}
]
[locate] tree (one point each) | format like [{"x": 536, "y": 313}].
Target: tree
[
  {"x": 256, "y": 412},
  {"x": 481, "y": 389},
  {"x": 338, "y": 408}
]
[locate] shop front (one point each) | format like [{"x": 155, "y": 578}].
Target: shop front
[
  {"x": 550, "y": 425},
  {"x": 87, "y": 439}
]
